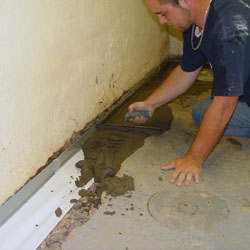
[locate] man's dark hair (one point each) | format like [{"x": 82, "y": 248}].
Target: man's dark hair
[{"x": 174, "y": 2}]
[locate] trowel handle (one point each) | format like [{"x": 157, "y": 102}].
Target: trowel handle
[{"x": 137, "y": 113}]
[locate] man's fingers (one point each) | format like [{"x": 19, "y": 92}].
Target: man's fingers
[
  {"x": 169, "y": 166},
  {"x": 181, "y": 179},
  {"x": 188, "y": 179},
  {"x": 197, "y": 178},
  {"x": 130, "y": 108},
  {"x": 185, "y": 170},
  {"x": 174, "y": 175},
  {"x": 139, "y": 120}
]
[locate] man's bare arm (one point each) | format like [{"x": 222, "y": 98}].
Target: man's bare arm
[
  {"x": 212, "y": 126},
  {"x": 176, "y": 84}
]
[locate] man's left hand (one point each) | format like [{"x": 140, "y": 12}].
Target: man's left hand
[{"x": 185, "y": 169}]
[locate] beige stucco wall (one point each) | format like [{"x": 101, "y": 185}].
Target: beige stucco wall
[{"x": 62, "y": 62}]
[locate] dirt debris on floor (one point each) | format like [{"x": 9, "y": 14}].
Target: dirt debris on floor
[
  {"x": 78, "y": 215},
  {"x": 58, "y": 212}
]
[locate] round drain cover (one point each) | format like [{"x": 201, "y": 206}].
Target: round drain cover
[{"x": 184, "y": 208}]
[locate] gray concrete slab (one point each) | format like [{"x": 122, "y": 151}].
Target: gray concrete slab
[{"x": 158, "y": 215}]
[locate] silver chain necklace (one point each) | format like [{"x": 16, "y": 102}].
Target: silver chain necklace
[{"x": 194, "y": 26}]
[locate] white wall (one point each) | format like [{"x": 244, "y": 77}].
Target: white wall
[{"x": 62, "y": 62}]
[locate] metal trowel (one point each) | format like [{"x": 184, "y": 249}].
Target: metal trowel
[{"x": 131, "y": 126}]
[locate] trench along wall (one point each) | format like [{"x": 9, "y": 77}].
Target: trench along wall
[{"x": 62, "y": 63}]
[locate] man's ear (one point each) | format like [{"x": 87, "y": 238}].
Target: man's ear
[{"x": 185, "y": 4}]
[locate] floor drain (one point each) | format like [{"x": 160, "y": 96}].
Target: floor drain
[{"x": 185, "y": 209}]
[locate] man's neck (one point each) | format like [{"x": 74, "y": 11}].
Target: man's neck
[{"x": 199, "y": 9}]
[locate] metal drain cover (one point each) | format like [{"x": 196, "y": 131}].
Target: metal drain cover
[{"x": 183, "y": 209}]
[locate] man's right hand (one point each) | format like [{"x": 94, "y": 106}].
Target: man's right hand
[{"x": 139, "y": 106}]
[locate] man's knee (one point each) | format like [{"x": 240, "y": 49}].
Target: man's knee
[
  {"x": 200, "y": 109},
  {"x": 196, "y": 115}
]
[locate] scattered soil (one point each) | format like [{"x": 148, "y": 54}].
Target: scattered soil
[
  {"x": 82, "y": 210},
  {"x": 58, "y": 212},
  {"x": 109, "y": 213}
]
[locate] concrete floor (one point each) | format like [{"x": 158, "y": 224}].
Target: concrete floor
[{"x": 214, "y": 214}]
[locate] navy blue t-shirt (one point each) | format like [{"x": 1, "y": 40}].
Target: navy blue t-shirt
[{"x": 226, "y": 45}]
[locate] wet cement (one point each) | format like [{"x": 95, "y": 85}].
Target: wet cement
[
  {"x": 108, "y": 147},
  {"x": 104, "y": 152}
]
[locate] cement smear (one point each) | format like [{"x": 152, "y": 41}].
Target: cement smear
[
  {"x": 104, "y": 152},
  {"x": 106, "y": 149},
  {"x": 116, "y": 185}
]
